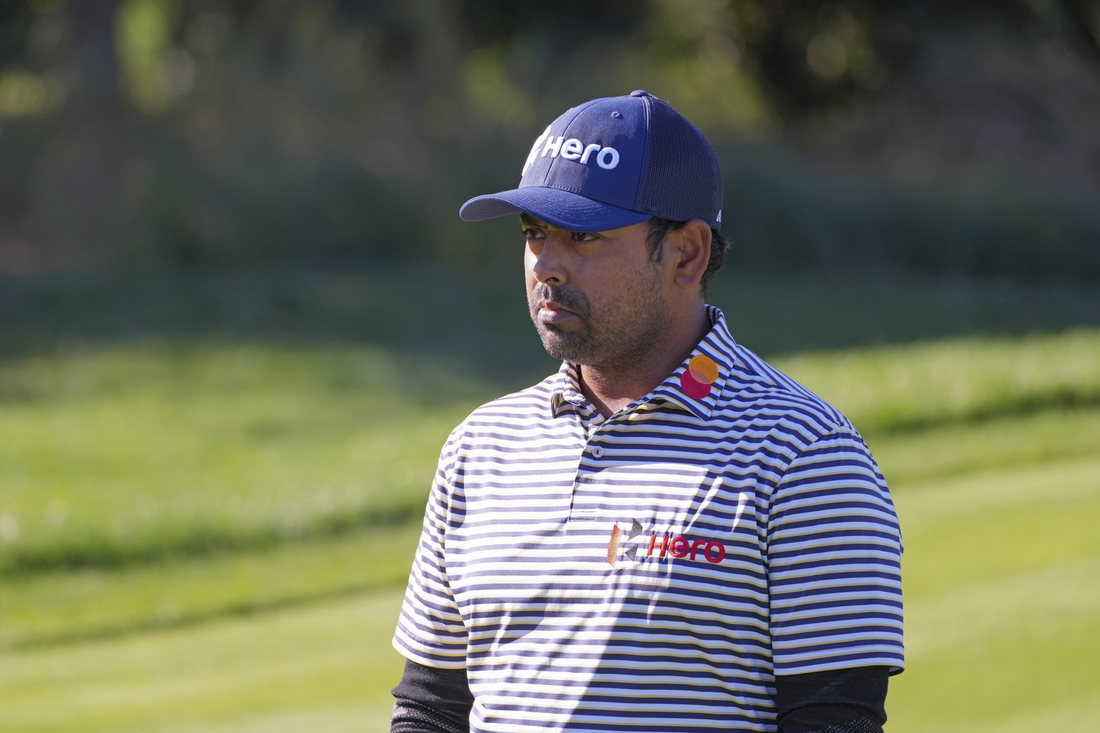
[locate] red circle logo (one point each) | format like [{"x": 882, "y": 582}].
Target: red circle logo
[{"x": 699, "y": 376}]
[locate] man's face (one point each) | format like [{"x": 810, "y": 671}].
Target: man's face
[{"x": 596, "y": 298}]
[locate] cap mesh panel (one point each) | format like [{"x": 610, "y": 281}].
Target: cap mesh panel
[{"x": 682, "y": 179}]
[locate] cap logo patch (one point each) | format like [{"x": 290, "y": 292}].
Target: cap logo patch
[{"x": 571, "y": 149}]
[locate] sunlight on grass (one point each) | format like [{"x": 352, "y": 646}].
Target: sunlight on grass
[
  {"x": 1002, "y": 593},
  {"x": 133, "y": 454},
  {"x": 326, "y": 664},
  {"x": 1002, "y": 572},
  {"x": 70, "y": 605},
  {"x": 987, "y": 445},
  {"x": 186, "y": 532},
  {"x": 906, "y": 387}
]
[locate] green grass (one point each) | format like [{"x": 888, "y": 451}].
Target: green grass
[
  {"x": 480, "y": 318},
  {"x": 133, "y": 454},
  {"x": 989, "y": 445},
  {"x": 909, "y": 387},
  {"x": 1002, "y": 590},
  {"x": 63, "y": 605},
  {"x": 327, "y": 667},
  {"x": 209, "y": 499},
  {"x": 138, "y": 453},
  {"x": 53, "y": 608},
  {"x": 1002, "y": 587},
  {"x": 56, "y": 607}
]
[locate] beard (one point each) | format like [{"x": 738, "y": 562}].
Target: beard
[{"x": 614, "y": 335}]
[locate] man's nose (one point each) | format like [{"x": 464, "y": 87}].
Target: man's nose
[{"x": 549, "y": 266}]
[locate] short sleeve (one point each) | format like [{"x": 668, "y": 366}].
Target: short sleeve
[
  {"x": 430, "y": 630},
  {"x": 834, "y": 561}
]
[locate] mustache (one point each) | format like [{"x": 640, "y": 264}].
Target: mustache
[{"x": 571, "y": 299}]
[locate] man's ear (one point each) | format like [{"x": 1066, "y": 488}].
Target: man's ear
[{"x": 690, "y": 246}]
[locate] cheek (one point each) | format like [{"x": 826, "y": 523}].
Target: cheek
[
  {"x": 529, "y": 271},
  {"x": 529, "y": 280}
]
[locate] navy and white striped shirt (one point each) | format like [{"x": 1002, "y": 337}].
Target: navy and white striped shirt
[{"x": 654, "y": 570}]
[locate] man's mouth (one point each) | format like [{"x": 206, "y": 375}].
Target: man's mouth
[{"x": 551, "y": 312}]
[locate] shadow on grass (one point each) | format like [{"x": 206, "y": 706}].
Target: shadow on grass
[
  {"x": 241, "y": 609},
  {"x": 199, "y": 539},
  {"x": 480, "y": 318},
  {"x": 478, "y": 324},
  {"x": 421, "y": 312}
]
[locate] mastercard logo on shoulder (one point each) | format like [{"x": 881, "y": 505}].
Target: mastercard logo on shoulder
[{"x": 701, "y": 373}]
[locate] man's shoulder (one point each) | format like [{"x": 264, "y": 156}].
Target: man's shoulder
[
  {"x": 536, "y": 397},
  {"x": 758, "y": 391},
  {"x": 532, "y": 404},
  {"x": 760, "y": 398}
]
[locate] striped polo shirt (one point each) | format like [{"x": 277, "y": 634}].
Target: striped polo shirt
[{"x": 654, "y": 570}]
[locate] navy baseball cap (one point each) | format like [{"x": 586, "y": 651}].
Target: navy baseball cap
[{"x": 610, "y": 163}]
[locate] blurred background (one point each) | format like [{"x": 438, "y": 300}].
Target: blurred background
[{"x": 239, "y": 316}]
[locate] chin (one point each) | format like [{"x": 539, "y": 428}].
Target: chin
[
  {"x": 556, "y": 346},
  {"x": 562, "y": 344}
]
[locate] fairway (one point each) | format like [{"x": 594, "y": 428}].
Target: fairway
[
  {"x": 133, "y": 454},
  {"x": 340, "y": 337},
  {"x": 1003, "y": 630},
  {"x": 50, "y": 608},
  {"x": 328, "y": 667},
  {"x": 1002, "y": 592},
  {"x": 139, "y": 453},
  {"x": 214, "y": 538}
]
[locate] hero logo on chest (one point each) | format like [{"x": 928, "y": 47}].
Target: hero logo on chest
[
  {"x": 660, "y": 545},
  {"x": 571, "y": 149}
]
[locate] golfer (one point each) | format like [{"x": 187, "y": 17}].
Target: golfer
[{"x": 668, "y": 534}]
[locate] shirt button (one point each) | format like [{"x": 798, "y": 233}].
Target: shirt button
[{"x": 597, "y": 451}]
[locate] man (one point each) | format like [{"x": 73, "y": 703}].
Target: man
[{"x": 668, "y": 534}]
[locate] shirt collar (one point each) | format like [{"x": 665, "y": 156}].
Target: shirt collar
[
  {"x": 720, "y": 349},
  {"x": 565, "y": 389},
  {"x": 717, "y": 346}
]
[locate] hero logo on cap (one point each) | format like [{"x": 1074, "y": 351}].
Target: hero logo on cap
[
  {"x": 572, "y": 149},
  {"x": 610, "y": 163}
]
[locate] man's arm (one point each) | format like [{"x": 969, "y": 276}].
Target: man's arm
[
  {"x": 433, "y": 695},
  {"x": 834, "y": 581},
  {"x": 837, "y": 701},
  {"x": 431, "y": 700}
]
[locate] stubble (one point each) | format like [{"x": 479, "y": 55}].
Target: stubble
[{"x": 617, "y": 336}]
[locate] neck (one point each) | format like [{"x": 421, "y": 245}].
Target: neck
[{"x": 613, "y": 386}]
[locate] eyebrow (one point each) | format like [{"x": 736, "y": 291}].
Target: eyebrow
[{"x": 529, "y": 221}]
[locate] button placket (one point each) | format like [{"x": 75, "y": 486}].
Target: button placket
[{"x": 587, "y": 432}]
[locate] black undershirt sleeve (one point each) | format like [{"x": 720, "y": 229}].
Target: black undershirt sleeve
[
  {"x": 431, "y": 700},
  {"x": 837, "y": 701}
]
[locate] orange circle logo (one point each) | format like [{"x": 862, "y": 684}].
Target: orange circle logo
[{"x": 698, "y": 377}]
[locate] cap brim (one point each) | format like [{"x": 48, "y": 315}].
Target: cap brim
[{"x": 564, "y": 209}]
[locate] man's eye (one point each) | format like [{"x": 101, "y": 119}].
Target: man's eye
[
  {"x": 584, "y": 237},
  {"x": 532, "y": 233}
]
